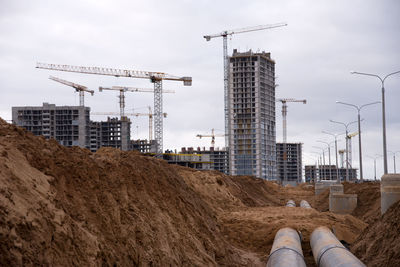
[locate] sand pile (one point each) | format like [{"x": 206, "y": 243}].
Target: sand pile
[
  {"x": 379, "y": 243},
  {"x": 61, "y": 206},
  {"x": 67, "y": 206}
]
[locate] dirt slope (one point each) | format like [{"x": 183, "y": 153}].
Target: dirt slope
[
  {"x": 379, "y": 244},
  {"x": 61, "y": 206},
  {"x": 368, "y": 200},
  {"x": 67, "y": 206}
]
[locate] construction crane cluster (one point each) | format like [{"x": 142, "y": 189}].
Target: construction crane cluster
[
  {"x": 149, "y": 114},
  {"x": 155, "y": 77},
  {"x": 122, "y": 91}
]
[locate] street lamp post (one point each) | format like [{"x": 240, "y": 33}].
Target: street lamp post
[
  {"x": 329, "y": 156},
  {"x": 374, "y": 158},
  {"x": 359, "y": 131},
  {"x": 394, "y": 159},
  {"x": 323, "y": 160},
  {"x": 336, "y": 155},
  {"x": 385, "y": 169},
  {"x": 346, "y": 126},
  {"x": 318, "y": 166}
]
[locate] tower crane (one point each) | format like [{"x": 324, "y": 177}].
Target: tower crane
[
  {"x": 224, "y": 36},
  {"x": 122, "y": 91},
  {"x": 284, "y": 130},
  {"x": 212, "y": 135},
  {"x": 150, "y": 115},
  {"x": 349, "y": 136},
  {"x": 155, "y": 77},
  {"x": 78, "y": 88},
  {"x": 284, "y": 113}
]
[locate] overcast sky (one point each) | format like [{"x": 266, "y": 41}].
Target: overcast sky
[{"x": 314, "y": 54}]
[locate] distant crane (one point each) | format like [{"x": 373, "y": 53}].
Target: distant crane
[
  {"x": 284, "y": 113},
  {"x": 349, "y": 136},
  {"x": 78, "y": 88},
  {"x": 122, "y": 91},
  {"x": 154, "y": 77},
  {"x": 224, "y": 36},
  {"x": 284, "y": 130},
  {"x": 212, "y": 135},
  {"x": 150, "y": 115}
]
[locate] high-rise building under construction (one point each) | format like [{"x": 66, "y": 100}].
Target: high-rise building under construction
[{"x": 252, "y": 133}]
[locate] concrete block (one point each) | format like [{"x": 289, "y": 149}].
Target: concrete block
[
  {"x": 390, "y": 190},
  {"x": 321, "y": 186},
  {"x": 336, "y": 189},
  {"x": 342, "y": 203}
]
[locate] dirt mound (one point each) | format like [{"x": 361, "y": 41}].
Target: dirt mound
[
  {"x": 224, "y": 192},
  {"x": 322, "y": 201},
  {"x": 379, "y": 243},
  {"x": 368, "y": 200},
  {"x": 67, "y": 206}
]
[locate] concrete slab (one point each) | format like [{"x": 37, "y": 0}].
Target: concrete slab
[
  {"x": 342, "y": 203},
  {"x": 390, "y": 190}
]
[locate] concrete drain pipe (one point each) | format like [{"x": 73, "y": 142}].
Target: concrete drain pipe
[
  {"x": 286, "y": 250},
  {"x": 290, "y": 203},
  {"x": 304, "y": 204},
  {"x": 328, "y": 251}
]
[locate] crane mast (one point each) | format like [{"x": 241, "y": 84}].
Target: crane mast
[
  {"x": 224, "y": 36},
  {"x": 155, "y": 77},
  {"x": 78, "y": 88},
  {"x": 284, "y": 130},
  {"x": 150, "y": 124}
]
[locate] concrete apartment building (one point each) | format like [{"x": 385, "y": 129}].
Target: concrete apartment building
[
  {"x": 252, "y": 133},
  {"x": 310, "y": 173},
  {"x": 328, "y": 172},
  {"x": 293, "y": 162},
  {"x": 69, "y": 125},
  {"x": 110, "y": 133}
]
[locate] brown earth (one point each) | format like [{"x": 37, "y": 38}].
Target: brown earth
[
  {"x": 379, "y": 243},
  {"x": 368, "y": 200},
  {"x": 67, "y": 206}
]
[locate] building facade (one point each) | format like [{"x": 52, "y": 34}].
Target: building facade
[
  {"x": 328, "y": 172},
  {"x": 218, "y": 157},
  {"x": 293, "y": 161},
  {"x": 110, "y": 133},
  {"x": 69, "y": 125},
  {"x": 252, "y": 133},
  {"x": 188, "y": 159}
]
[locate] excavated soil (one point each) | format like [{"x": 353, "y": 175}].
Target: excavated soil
[
  {"x": 368, "y": 200},
  {"x": 379, "y": 244},
  {"x": 68, "y": 206}
]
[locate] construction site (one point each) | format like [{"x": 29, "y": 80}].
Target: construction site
[
  {"x": 69, "y": 206},
  {"x": 81, "y": 191}
]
